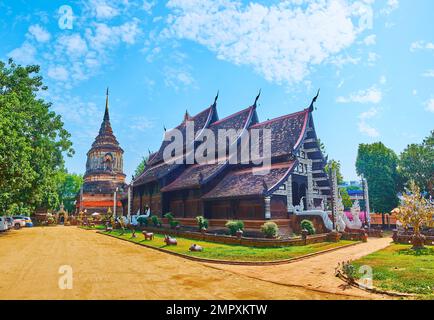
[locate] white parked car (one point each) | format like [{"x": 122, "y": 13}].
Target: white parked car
[
  {"x": 3, "y": 224},
  {"x": 19, "y": 222}
]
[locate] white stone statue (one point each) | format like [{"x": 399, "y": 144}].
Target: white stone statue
[
  {"x": 355, "y": 212},
  {"x": 340, "y": 216}
]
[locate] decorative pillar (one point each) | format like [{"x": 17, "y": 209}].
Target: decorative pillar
[
  {"x": 268, "y": 208},
  {"x": 366, "y": 198},
  {"x": 114, "y": 203},
  {"x": 81, "y": 199},
  {"x": 289, "y": 204},
  {"x": 309, "y": 193},
  {"x": 129, "y": 203},
  {"x": 334, "y": 196}
]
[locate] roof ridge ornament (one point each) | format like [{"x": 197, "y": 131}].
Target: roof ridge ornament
[
  {"x": 106, "y": 113},
  {"x": 264, "y": 186},
  {"x": 311, "y": 107},
  {"x": 257, "y": 97},
  {"x": 215, "y": 99},
  {"x": 186, "y": 115}
]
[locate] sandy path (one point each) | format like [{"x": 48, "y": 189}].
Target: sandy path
[
  {"x": 316, "y": 273},
  {"x": 106, "y": 268}
]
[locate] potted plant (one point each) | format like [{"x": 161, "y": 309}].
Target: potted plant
[
  {"x": 234, "y": 226},
  {"x": 156, "y": 221},
  {"x": 202, "y": 223},
  {"x": 270, "y": 229},
  {"x": 308, "y": 225}
]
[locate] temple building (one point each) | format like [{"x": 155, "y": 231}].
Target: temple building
[
  {"x": 104, "y": 171},
  {"x": 230, "y": 188}
]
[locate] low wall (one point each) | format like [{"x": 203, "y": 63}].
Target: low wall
[
  {"x": 406, "y": 239},
  {"x": 354, "y": 236},
  {"x": 317, "y": 221},
  {"x": 249, "y": 242},
  {"x": 220, "y": 223}
]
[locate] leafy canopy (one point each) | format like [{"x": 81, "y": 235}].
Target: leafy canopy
[
  {"x": 32, "y": 142},
  {"x": 417, "y": 163},
  {"x": 378, "y": 164}
]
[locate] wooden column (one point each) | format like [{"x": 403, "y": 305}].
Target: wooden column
[{"x": 267, "y": 207}]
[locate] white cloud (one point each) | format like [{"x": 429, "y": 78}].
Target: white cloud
[
  {"x": 39, "y": 33},
  {"x": 429, "y": 105},
  {"x": 368, "y": 114},
  {"x": 428, "y": 73},
  {"x": 370, "y": 95},
  {"x": 177, "y": 78},
  {"x": 58, "y": 73},
  {"x": 148, "y": 5},
  {"x": 370, "y": 40},
  {"x": 103, "y": 36},
  {"x": 74, "y": 44},
  {"x": 366, "y": 128},
  {"x": 421, "y": 45},
  {"x": 282, "y": 42},
  {"x": 391, "y": 6},
  {"x": 372, "y": 58},
  {"x": 24, "y": 54},
  {"x": 383, "y": 80},
  {"x": 141, "y": 123},
  {"x": 102, "y": 10},
  {"x": 414, "y": 92}
]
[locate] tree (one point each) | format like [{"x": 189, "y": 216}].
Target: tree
[
  {"x": 346, "y": 200},
  {"x": 32, "y": 141},
  {"x": 141, "y": 166},
  {"x": 331, "y": 164},
  {"x": 415, "y": 212},
  {"x": 417, "y": 163},
  {"x": 68, "y": 186},
  {"x": 378, "y": 164},
  {"x": 335, "y": 165}
]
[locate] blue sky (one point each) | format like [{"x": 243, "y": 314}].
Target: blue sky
[{"x": 373, "y": 60}]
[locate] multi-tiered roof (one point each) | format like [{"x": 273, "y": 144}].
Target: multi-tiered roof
[{"x": 226, "y": 179}]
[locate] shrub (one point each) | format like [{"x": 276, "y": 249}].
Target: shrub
[
  {"x": 156, "y": 221},
  {"x": 234, "y": 226},
  {"x": 143, "y": 221},
  {"x": 308, "y": 225},
  {"x": 270, "y": 229},
  {"x": 173, "y": 224},
  {"x": 202, "y": 222},
  {"x": 169, "y": 216}
]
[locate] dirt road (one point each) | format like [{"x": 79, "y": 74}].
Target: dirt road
[{"x": 107, "y": 268}]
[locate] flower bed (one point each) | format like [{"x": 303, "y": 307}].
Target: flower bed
[
  {"x": 228, "y": 252},
  {"x": 245, "y": 241}
]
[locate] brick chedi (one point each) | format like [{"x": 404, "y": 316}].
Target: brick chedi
[{"x": 104, "y": 171}]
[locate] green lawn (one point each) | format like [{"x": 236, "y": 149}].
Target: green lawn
[
  {"x": 231, "y": 252},
  {"x": 398, "y": 268}
]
